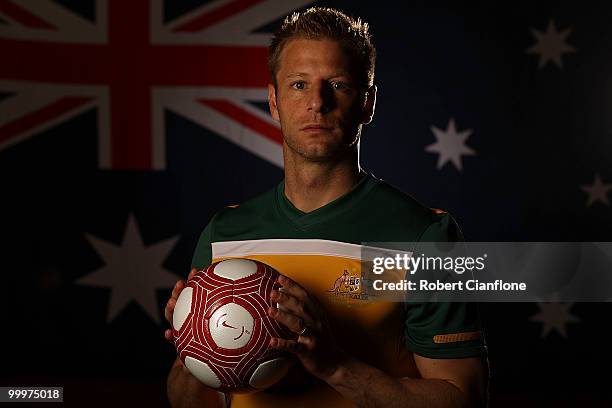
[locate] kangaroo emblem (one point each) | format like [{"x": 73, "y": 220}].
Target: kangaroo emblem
[{"x": 341, "y": 280}]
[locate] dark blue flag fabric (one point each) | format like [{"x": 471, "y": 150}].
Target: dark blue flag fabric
[{"x": 124, "y": 126}]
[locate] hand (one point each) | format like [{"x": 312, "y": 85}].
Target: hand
[
  {"x": 169, "y": 309},
  {"x": 305, "y": 316},
  {"x": 182, "y": 387}
]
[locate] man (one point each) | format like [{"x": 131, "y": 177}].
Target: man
[{"x": 310, "y": 227}]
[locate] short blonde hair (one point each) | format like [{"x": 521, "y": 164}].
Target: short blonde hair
[{"x": 326, "y": 23}]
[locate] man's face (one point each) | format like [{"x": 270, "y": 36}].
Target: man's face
[{"x": 316, "y": 101}]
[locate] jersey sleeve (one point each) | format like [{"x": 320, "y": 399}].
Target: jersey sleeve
[
  {"x": 443, "y": 329},
  {"x": 202, "y": 256}
]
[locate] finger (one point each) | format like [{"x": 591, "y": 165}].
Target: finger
[
  {"x": 178, "y": 287},
  {"x": 307, "y": 340},
  {"x": 192, "y": 274},
  {"x": 176, "y": 291},
  {"x": 293, "y": 322},
  {"x": 293, "y": 288},
  {"x": 168, "y": 335},
  {"x": 169, "y": 310},
  {"x": 291, "y": 346},
  {"x": 291, "y": 304},
  {"x": 310, "y": 304}
]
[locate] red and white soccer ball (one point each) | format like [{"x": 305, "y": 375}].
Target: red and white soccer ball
[{"x": 222, "y": 329}]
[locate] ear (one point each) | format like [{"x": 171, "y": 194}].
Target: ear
[
  {"x": 272, "y": 103},
  {"x": 369, "y": 105}
]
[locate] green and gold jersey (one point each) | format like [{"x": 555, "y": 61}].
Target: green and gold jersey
[{"x": 322, "y": 250}]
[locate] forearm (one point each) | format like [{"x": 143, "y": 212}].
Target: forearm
[
  {"x": 367, "y": 386},
  {"x": 185, "y": 391}
]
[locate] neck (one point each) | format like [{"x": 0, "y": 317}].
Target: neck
[{"x": 310, "y": 185}]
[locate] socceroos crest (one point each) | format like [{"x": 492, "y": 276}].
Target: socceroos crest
[{"x": 347, "y": 288}]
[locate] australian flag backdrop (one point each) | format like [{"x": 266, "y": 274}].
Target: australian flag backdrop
[{"x": 125, "y": 125}]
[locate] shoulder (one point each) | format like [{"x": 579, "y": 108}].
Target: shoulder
[
  {"x": 236, "y": 217},
  {"x": 396, "y": 207}
]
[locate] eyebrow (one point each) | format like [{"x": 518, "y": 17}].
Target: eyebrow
[{"x": 303, "y": 74}]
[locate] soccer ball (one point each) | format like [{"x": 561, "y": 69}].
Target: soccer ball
[{"x": 222, "y": 329}]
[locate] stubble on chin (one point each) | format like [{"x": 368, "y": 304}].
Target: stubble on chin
[{"x": 317, "y": 152}]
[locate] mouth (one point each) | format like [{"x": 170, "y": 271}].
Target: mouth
[{"x": 317, "y": 128}]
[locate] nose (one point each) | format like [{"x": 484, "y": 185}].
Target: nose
[{"x": 321, "y": 98}]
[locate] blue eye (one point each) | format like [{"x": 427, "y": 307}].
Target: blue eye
[
  {"x": 298, "y": 85},
  {"x": 339, "y": 86}
]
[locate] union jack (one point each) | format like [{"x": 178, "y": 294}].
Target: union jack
[{"x": 131, "y": 65}]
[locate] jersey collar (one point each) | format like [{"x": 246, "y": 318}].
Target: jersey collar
[{"x": 327, "y": 212}]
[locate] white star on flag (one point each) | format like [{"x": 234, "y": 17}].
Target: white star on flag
[
  {"x": 551, "y": 45},
  {"x": 598, "y": 191},
  {"x": 132, "y": 271},
  {"x": 450, "y": 145},
  {"x": 554, "y": 316}
]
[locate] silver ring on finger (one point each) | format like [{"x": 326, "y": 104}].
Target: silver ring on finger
[
  {"x": 302, "y": 324},
  {"x": 304, "y": 329}
]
